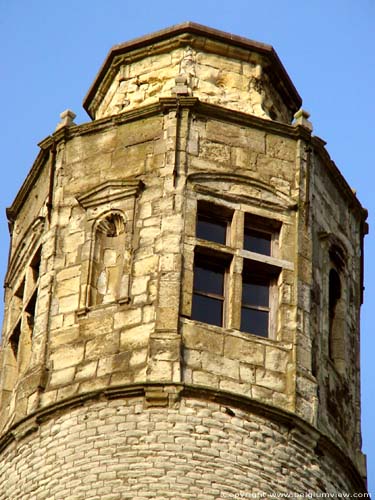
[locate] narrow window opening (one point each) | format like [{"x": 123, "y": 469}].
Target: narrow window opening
[
  {"x": 15, "y": 339},
  {"x": 35, "y": 265},
  {"x": 20, "y": 290},
  {"x": 30, "y": 308},
  {"x": 335, "y": 324},
  {"x": 255, "y": 308},
  {"x": 208, "y": 291},
  {"x": 213, "y": 223}
]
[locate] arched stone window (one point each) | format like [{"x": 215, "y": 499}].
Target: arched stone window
[
  {"x": 107, "y": 251},
  {"x": 109, "y": 273},
  {"x": 336, "y": 309}
]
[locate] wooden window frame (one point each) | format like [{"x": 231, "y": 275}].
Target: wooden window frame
[
  {"x": 265, "y": 265},
  {"x": 212, "y": 260}
]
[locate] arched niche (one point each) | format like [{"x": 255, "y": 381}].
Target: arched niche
[
  {"x": 337, "y": 307},
  {"x": 109, "y": 264}
]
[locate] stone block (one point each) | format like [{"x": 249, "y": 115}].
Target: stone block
[
  {"x": 201, "y": 339},
  {"x": 102, "y": 345},
  {"x": 136, "y": 337},
  {"x": 139, "y": 285},
  {"x": 68, "y": 273},
  {"x": 219, "y": 62},
  {"x": 62, "y": 377},
  {"x": 214, "y": 151},
  {"x": 9, "y": 377},
  {"x": 148, "y": 314},
  {"x": 64, "y": 336},
  {"x": 127, "y": 318},
  {"x": 220, "y": 365},
  {"x": 138, "y": 357},
  {"x": 262, "y": 394},
  {"x": 271, "y": 380},
  {"x": 205, "y": 378},
  {"x": 68, "y": 304},
  {"x": 192, "y": 359},
  {"x": 67, "y": 391},
  {"x": 67, "y": 287},
  {"x": 276, "y": 359},
  {"x": 235, "y": 387},
  {"x": 145, "y": 130},
  {"x": 246, "y": 350},
  {"x": 86, "y": 370},
  {"x": 165, "y": 349},
  {"x": 67, "y": 356},
  {"x": 161, "y": 371},
  {"x": 172, "y": 224},
  {"x": 146, "y": 266},
  {"x": 95, "y": 325},
  {"x": 244, "y": 158},
  {"x": 281, "y": 147},
  {"x": 247, "y": 373}
]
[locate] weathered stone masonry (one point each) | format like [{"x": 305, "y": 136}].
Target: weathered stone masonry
[{"x": 112, "y": 384}]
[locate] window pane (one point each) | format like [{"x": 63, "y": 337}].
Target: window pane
[
  {"x": 209, "y": 280},
  {"x": 258, "y": 242},
  {"x": 255, "y": 293},
  {"x": 212, "y": 230},
  {"x": 207, "y": 310},
  {"x": 254, "y": 321}
]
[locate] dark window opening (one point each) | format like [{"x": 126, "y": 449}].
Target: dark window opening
[
  {"x": 35, "y": 265},
  {"x": 211, "y": 230},
  {"x": 208, "y": 291},
  {"x": 15, "y": 339},
  {"x": 334, "y": 323},
  {"x": 257, "y": 241},
  {"x": 213, "y": 222},
  {"x": 255, "y": 305},
  {"x": 20, "y": 290},
  {"x": 30, "y": 309}
]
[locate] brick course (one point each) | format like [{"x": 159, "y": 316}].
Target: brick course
[{"x": 200, "y": 450}]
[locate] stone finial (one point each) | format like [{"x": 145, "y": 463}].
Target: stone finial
[
  {"x": 67, "y": 118},
  {"x": 302, "y": 118},
  {"x": 181, "y": 87}
]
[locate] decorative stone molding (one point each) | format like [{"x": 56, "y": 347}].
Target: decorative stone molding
[
  {"x": 110, "y": 191},
  {"x": 241, "y": 188}
]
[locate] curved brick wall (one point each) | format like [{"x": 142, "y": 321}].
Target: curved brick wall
[{"x": 118, "y": 449}]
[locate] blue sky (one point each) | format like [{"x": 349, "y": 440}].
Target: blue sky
[{"x": 50, "y": 53}]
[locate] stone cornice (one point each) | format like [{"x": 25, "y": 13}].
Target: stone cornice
[
  {"x": 309, "y": 434},
  {"x": 200, "y": 109}
]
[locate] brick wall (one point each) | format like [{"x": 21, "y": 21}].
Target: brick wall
[{"x": 112, "y": 450}]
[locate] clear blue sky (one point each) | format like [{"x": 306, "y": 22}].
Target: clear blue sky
[{"x": 51, "y": 51}]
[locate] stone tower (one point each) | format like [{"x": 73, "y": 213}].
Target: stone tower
[{"x": 183, "y": 291}]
